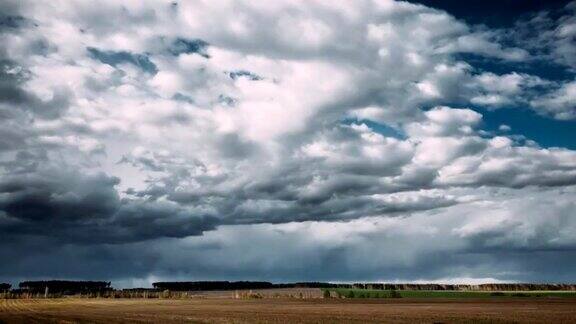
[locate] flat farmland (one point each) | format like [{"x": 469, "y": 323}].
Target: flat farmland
[{"x": 288, "y": 310}]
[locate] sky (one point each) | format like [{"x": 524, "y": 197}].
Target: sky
[{"x": 342, "y": 141}]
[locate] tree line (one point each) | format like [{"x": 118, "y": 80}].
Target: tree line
[
  {"x": 238, "y": 285},
  {"x": 67, "y": 287},
  {"x": 5, "y": 287}
]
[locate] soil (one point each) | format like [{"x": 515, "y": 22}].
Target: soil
[{"x": 288, "y": 310}]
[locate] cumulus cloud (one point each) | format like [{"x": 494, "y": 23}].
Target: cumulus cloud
[
  {"x": 554, "y": 34},
  {"x": 193, "y": 124},
  {"x": 559, "y": 103}
]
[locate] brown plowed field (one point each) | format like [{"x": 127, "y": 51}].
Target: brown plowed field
[{"x": 285, "y": 310}]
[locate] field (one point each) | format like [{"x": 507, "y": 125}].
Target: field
[
  {"x": 366, "y": 293},
  {"x": 223, "y": 308}
]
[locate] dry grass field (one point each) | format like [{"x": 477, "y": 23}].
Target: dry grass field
[{"x": 222, "y": 308}]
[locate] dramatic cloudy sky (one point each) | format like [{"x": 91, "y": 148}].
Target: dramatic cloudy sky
[{"x": 365, "y": 140}]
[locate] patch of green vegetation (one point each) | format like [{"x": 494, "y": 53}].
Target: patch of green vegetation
[
  {"x": 367, "y": 293},
  {"x": 361, "y": 293}
]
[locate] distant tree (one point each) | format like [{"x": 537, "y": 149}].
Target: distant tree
[
  {"x": 307, "y": 285},
  {"x": 5, "y": 287},
  {"x": 65, "y": 287},
  {"x": 326, "y": 293},
  {"x": 212, "y": 285},
  {"x": 395, "y": 294}
]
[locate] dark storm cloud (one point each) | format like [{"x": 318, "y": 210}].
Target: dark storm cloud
[
  {"x": 148, "y": 262},
  {"x": 40, "y": 198},
  {"x": 452, "y": 244},
  {"x": 284, "y": 197},
  {"x": 11, "y": 21},
  {"x": 67, "y": 206}
]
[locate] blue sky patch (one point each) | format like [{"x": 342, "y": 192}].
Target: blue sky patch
[
  {"x": 380, "y": 128},
  {"x": 544, "y": 69},
  {"x": 114, "y": 58},
  {"x": 502, "y": 13},
  {"x": 547, "y": 132},
  {"x": 187, "y": 46}
]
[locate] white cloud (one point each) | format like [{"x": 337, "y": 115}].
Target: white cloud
[{"x": 560, "y": 103}]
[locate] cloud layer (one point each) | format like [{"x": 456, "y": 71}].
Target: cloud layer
[{"x": 241, "y": 140}]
